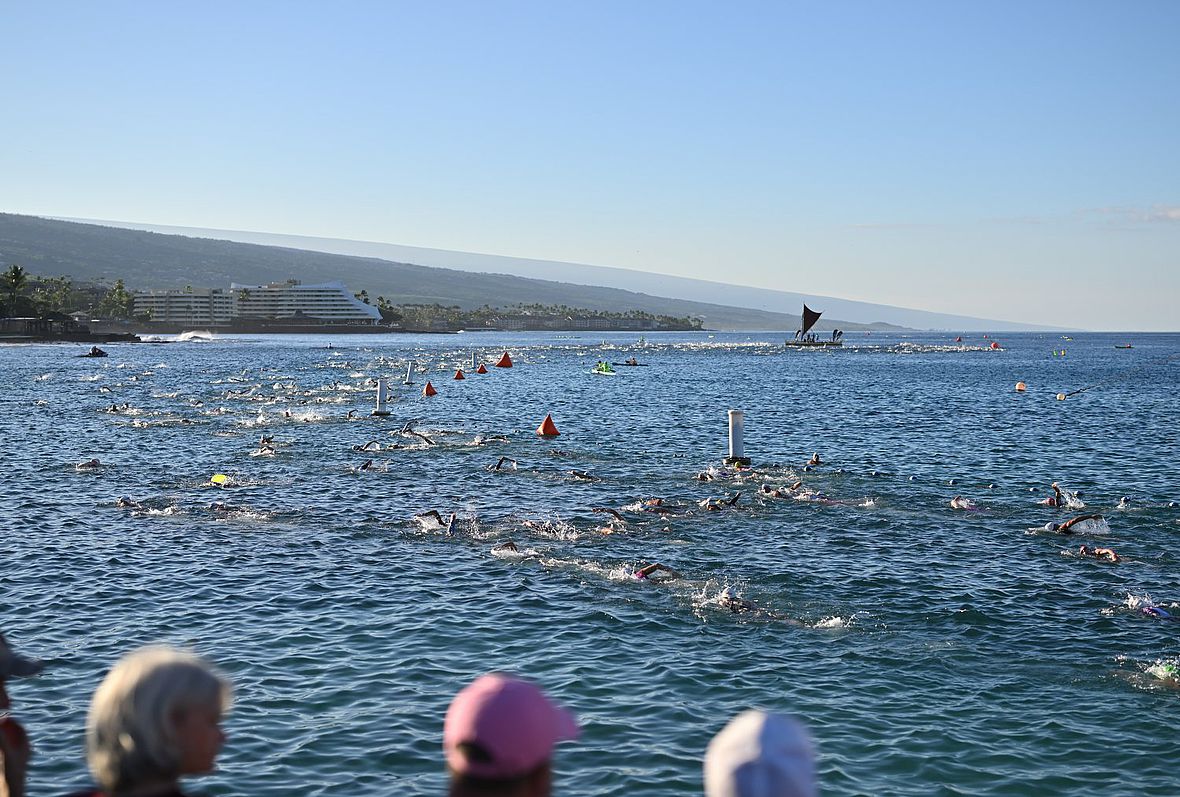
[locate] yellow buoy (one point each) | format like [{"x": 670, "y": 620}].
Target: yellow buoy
[
  {"x": 1021, "y": 387},
  {"x": 220, "y": 479},
  {"x": 1061, "y": 397}
]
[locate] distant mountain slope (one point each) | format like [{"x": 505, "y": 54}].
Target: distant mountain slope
[
  {"x": 154, "y": 260},
  {"x": 773, "y": 301}
]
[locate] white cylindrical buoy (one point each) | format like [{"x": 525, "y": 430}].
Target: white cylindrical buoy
[
  {"x": 472, "y": 361},
  {"x": 409, "y": 373},
  {"x": 737, "y": 431},
  {"x": 382, "y": 396}
]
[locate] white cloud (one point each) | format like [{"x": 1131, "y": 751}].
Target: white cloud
[
  {"x": 1126, "y": 215},
  {"x": 1165, "y": 213}
]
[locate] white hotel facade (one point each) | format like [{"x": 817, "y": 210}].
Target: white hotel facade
[{"x": 288, "y": 302}]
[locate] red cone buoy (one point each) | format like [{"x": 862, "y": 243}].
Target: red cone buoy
[
  {"x": 505, "y": 361},
  {"x": 959, "y": 339},
  {"x": 459, "y": 374},
  {"x": 481, "y": 369},
  {"x": 429, "y": 390},
  {"x": 547, "y": 427}
]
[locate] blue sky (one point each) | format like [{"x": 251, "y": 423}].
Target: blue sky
[{"x": 1015, "y": 160}]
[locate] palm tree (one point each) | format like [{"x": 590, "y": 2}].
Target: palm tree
[{"x": 14, "y": 282}]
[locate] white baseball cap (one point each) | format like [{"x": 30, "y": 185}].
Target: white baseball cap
[{"x": 760, "y": 755}]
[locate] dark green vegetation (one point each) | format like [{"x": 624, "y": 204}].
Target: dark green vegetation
[
  {"x": 29, "y": 295},
  {"x": 145, "y": 260},
  {"x": 532, "y": 317}
]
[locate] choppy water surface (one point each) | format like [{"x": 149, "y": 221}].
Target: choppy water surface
[{"x": 939, "y": 651}]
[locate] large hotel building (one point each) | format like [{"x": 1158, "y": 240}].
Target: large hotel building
[{"x": 288, "y": 302}]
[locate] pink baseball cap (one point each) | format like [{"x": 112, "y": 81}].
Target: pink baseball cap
[{"x": 512, "y": 720}]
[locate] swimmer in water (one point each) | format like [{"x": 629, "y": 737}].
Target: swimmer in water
[
  {"x": 506, "y": 546},
  {"x": 728, "y": 599},
  {"x": 656, "y": 507},
  {"x": 717, "y": 504},
  {"x": 1167, "y": 672},
  {"x": 433, "y": 514},
  {"x": 500, "y": 464},
  {"x": 959, "y": 502},
  {"x": 128, "y": 503},
  {"x": 1100, "y": 553},
  {"x": 367, "y": 465},
  {"x": 372, "y": 445},
  {"x": 90, "y": 464},
  {"x": 815, "y": 460},
  {"x": 1057, "y": 499},
  {"x": 1067, "y": 526},
  {"x": 781, "y": 492},
  {"x": 582, "y": 475},
  {"x": 1158, "y": 612},
  {"x": 424, "y": 438},
  {"x": 644, "y": 573},
  {"x": 614, "y": 513},
  {"x": 484, "y": 439}
]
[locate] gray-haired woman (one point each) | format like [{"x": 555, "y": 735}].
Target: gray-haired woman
[{"x": 155, "y": 718}]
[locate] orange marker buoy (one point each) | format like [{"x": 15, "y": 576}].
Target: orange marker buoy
[
  {"x": 429, "y": 390},
  {"x": 481, "y": 369},
  {"x": 459, "y": 374},
  {"x": 1021, "y": 387},
  {"x": 995, "y": 345},
  {"x": 547, "y": 427},
  {"x": 505, "y": 361}
]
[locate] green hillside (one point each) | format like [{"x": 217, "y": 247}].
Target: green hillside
[{"x": 145, "y": 260}]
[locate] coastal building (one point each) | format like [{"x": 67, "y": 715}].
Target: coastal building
[
  {"x": 205, "y": 306},
  {"x": 288, "y": 302}
]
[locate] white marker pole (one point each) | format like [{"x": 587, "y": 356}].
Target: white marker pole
[
  {"x": 737, "y": 430},
  {"x": 382, "y": 394},
  {"x": 409, "y": 373},
  {"x": 472, "y": 361}
]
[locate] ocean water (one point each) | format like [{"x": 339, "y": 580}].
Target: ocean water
[{"x": 928, "y": 650}]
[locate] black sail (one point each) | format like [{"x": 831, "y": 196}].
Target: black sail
[{"x": 809, "y": 319}]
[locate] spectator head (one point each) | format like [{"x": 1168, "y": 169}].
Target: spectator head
[
  {"x": 499, "y": 737},
  {"x": 155, "y": 717},
  {"x": 760, "y": 755},
  {"x": 13, "y": 665}
]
